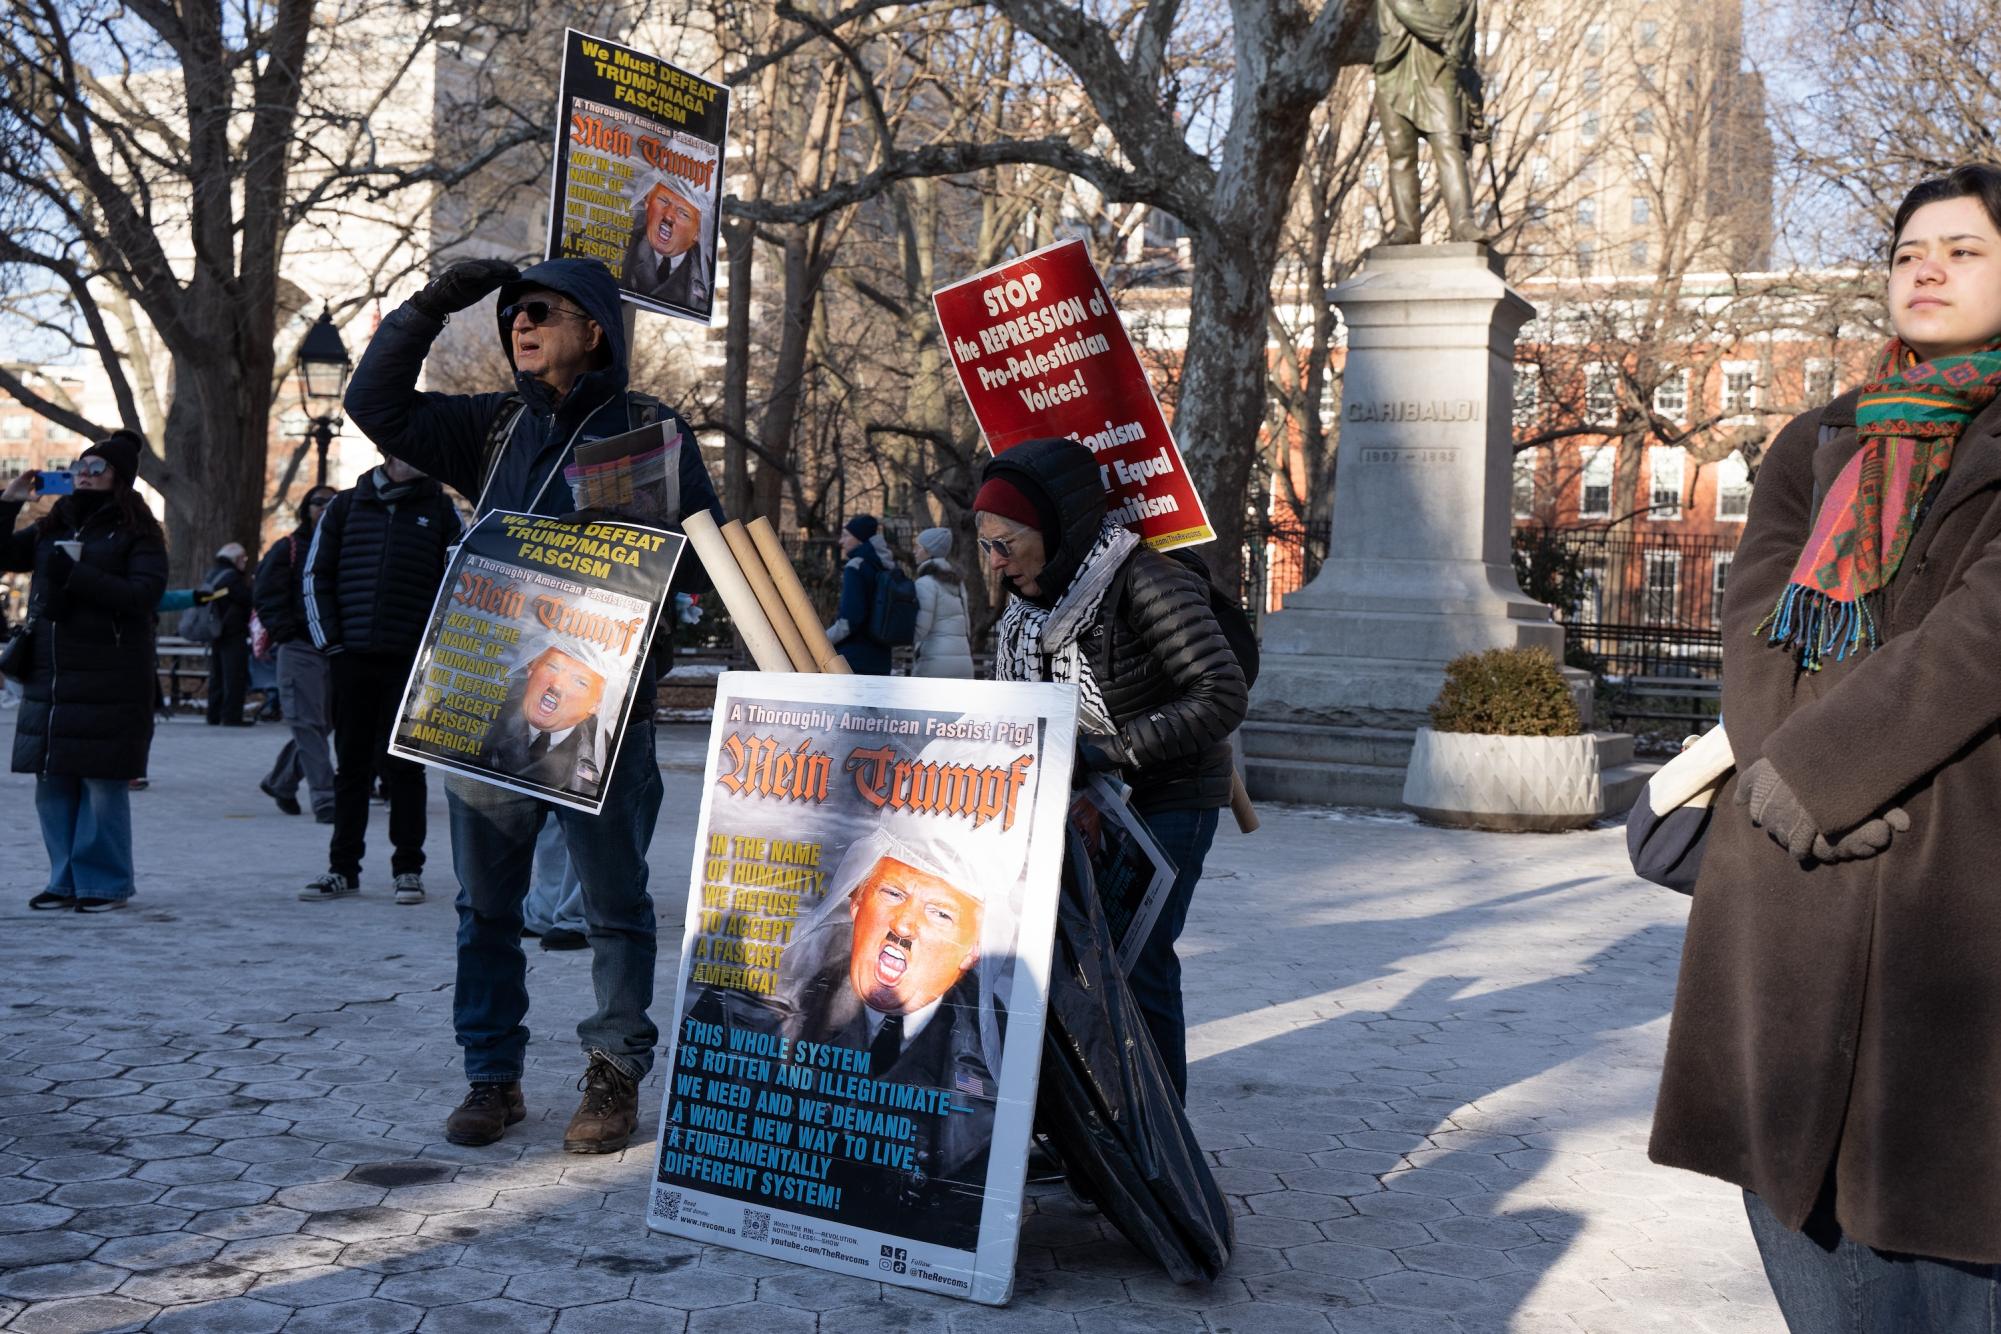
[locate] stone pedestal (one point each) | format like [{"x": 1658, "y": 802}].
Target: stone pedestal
[{"x": 1419, "y": 570}]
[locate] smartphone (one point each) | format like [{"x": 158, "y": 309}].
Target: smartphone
[{"x": 56, "y": 482}]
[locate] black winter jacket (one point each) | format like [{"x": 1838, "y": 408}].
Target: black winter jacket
[
  {"x": 373, "y": 569},
  {"x": 87, "y": 710},
  {"x": 279, "y": 592},
  {"x": 1168, "y": 675}
]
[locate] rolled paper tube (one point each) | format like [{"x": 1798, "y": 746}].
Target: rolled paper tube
[
  {"x": 766, "y": 592},
  {"x": 1693, "y": 772},
  {"x": 758, "y": 636},
  {"x": 804, "y": 619},
  {"x": 1240, "y": 805}
]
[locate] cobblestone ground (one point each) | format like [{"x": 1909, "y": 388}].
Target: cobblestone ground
[{"x": 1423, "y": 1063}]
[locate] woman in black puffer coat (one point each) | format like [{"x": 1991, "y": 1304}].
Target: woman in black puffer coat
[
  {"x": 86, "y": 722},
  {"x": 1160, "y": 689}
]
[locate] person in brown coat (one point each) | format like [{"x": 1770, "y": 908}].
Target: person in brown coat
[{"x": 1836, "y": 1042}]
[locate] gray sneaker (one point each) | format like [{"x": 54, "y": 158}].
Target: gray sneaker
[
  {"x": 410, "y": 887},
  {"x": 333, "y": 885}
]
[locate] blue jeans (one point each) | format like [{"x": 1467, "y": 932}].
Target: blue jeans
[
  {"x": 87, "y": 827},
  {"x": 1155, "y": 979},
  {"x": 493, "y": 851},
  {"x": 555, "y": 899},
  {"x": 1827, "y": 1283}
]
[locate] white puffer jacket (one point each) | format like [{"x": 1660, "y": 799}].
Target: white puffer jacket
[{"x": 944, "y": 647}]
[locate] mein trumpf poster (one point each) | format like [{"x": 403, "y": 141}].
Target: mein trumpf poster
[
  {"x": 638, "y": 178},
  {"x": 864, "y": 974},
  {"x": 535, "y": 653}
]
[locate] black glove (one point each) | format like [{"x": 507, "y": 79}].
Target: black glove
[
  {"x": 1774, "y": 808},
  {"x": 1865, "y": 840},
  {"x": 1094, "y": 756},
  {"x": 462, "y": 285},
  {"x": 56, "y": 569}
]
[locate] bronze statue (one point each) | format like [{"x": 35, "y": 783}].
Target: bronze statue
[{"x": 1427, "y": 85}]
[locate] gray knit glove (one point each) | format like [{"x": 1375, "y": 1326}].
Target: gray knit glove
[
  {"x": 1864, "y": 840},
  {"x": 1775, "y": 808}
]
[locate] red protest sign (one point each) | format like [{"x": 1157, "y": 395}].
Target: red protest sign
[{"x": 1041, "y": 351}]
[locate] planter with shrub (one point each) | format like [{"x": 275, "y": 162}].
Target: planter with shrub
[{"x": 1505, "y": 749}]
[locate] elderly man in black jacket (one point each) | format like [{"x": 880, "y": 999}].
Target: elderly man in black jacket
[
  {"x": 371, "y": 575},
  {"x": 1160, "y": 687},
  {"x": 279, "y": 596},
  {"x": 229, "y": 653}
]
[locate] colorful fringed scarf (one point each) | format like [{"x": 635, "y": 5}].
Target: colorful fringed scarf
[{"x": 1909, "y": 419}]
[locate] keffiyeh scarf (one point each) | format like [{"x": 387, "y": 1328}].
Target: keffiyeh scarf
[
  {"x": 1910, "y": 417},
  {"x": 1041, "y": 643}
]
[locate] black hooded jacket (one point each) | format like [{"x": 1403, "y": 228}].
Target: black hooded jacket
[
  {"x": 88, "y": 705},
  {"x": 1168, "y": 675},
  {"x": 374, "y": 566},
  {"x": 279, "y": 590}
]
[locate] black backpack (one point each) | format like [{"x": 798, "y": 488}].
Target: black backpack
[{"x": 892, "y": 615}]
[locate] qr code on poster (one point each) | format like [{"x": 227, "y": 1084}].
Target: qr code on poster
[
  {"x": 666, "y": 1203},
  {"x": 756, "y": 1225}
]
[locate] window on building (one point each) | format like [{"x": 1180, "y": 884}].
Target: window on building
[
  {"x": 1528, "y": 464},
  {"x": 1545, "y": 33},
  {"x": 1587, "y": 257},
  {"x": 1740, "y": 388},
  {"x": 1594, "y": 39},
  {"x": 1666, "y": 465},
  {"x": 56, "y": 433},
  {"x": 14, "y": 427},
  {"x": 1587, "y": 212},
  {"x": 1719, "y": 576},
  {"x": 1643, "y": 210},
  {"x": 1594, "y": 483},
  {"x": 1539, "y": 170},
  {"x": 1601, "y": 393},
  {"x": 1650, "y": 33},
  {"x": 1819, "y": 380},
  {"x": 1545, "y": 84},
  {"x": 1645, "y": 74},
  {"x": 1636, "y": 254},
  {"x": 1587, "y": 127},
  {"x": 1590, "y": 605},
  {"x": 1372, "y": 176},
  {"x": 1733, "y": 488},
  {"x": 1643, "y": 122},
  {"x": 1372, "y": 218},
  {"x": 1528, "y": 396},
  {"x": 1594, "y": 82},
  {"x": 1660, "y": 591},
  {"x": 57, "y": 462},
  {"x": 1671, "y": 396}
]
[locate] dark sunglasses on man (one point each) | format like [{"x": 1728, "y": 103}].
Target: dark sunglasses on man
[{"x": 539, "y": 313}]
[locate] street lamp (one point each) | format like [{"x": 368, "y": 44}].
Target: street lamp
[{"x": 323, "y": 370}]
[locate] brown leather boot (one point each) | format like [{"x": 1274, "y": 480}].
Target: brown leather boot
[
  {"x": 485, "y": 1115},
  {"x": 609, "y": 1112}
]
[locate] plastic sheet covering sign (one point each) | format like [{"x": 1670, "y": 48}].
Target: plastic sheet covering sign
[
  {"x": 864, "y": 973},
  {"x": 1041, "y": 351},
  {"x": 535, "y": 654},
  {"x": 638, "y": 179}
]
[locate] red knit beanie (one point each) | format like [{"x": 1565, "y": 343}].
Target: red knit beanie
[{"x": 1002, "y": 497}]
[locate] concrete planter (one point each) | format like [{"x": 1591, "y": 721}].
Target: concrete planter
[{"x": 1513, "y": 784}]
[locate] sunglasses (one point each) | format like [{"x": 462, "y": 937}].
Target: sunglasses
[
  {"x": 538, "y": 312},
  {"x": 90, "y": 467},
  {"x": 999, "y": 545}
]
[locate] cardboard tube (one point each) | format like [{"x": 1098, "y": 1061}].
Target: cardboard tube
[
  {"x": 766, "y": 592},
  {"x": 1240, "y": 804},
  {"x": 714, "y": 551},
  {"x": 1701, "y": 767},
  {"x": 804, "y": 619}
]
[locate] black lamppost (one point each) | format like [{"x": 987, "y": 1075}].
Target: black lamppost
[{"x": 323, "y": 370}]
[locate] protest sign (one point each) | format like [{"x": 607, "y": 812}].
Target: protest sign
[
  {"x": 864, "y": 975},
  {"x": 1041, "y": 351},
  {"x": 1132, "y": 875},
  {"x": 638, "y": 177},
  {"x": 535, "y": 654}
]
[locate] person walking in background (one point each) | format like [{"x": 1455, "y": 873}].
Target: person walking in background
[
  {"x": 562, "y": 328},
  {"x": 372, "y": 572},
  {"x": 1160, "y": 689},
  {"x": 554, "y": 908},
  {"x": 1832, "y": 1049},
  {"x": 303, "y": 675},
  {"x": 228, "y": 591},
  {"x": 943, "y": 645},
  {"x": 85, "y": 721},
  {"x": 864, "y": 555}
]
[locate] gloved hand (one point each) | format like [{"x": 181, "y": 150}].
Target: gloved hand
[
  {"x": 1094, "y": 756},
  {"x": 56, "y": 569},
  {"x": 1774, "y": 808},
  {"x": 1865, "y": 840},
  {"x": 462, "y": 285}
]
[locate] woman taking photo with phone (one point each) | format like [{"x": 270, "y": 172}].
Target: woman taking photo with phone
[
  {"x": 86, "y": 720},
  {"x": 1836, "y": 1044}
]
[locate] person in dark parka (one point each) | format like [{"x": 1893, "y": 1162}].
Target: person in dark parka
[
  {"x": 1834, "y": 1045},
  {"x": 228, "y": 588},
  {"x": 864, "y": 555},
  {"x": 1160, "y": 688},
  {"x": 303, "y": 676},
  {"x": 86, "y": 717}
]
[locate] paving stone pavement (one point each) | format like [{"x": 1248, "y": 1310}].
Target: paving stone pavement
[{"x": 1423, "y": 1063}]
